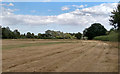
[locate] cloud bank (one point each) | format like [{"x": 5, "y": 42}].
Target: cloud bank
[{"x": 80, "y": 17}]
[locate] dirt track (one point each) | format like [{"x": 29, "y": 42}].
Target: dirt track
[{"x": 72, "y": 56}]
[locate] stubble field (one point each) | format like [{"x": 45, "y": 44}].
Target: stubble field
[{"x": 28, "y": 55}]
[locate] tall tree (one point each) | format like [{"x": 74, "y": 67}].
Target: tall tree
[
  {"x": 39, "y": 36},
  {"x": 32, "y": 35},
  {"x": 0, "y": 31},
  {"x": 115, "y": 17},
  {"x": 7, "y": 33},
  {"x": 95, "y": 29},
  {"x": 16, "y": 34},
  {"x": 29, "y": 35},
  {"x": 78, "y": 35}
]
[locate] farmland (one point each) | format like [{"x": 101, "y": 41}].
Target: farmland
[{"x": 47, "y": 55}]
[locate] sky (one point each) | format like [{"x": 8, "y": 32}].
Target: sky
[
  {"x": 37, "y": 17},
  {"x": 60, "y": 0}
]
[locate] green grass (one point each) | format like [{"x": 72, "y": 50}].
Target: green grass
[
  {"x": 30, "y": 44},
  {"x": 113, "y": 36}
]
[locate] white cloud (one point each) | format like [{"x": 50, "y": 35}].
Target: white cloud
[
  {"x": 79, "y": 6},
  {"x": 65, "y": 8},
  {"x": 101, "y": 9},
  {"x": 8, "y": 11},
  {"x": 80, "y": 17},
  {"x": 10, "y": 4}
]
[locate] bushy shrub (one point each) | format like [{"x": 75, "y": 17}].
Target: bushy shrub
[{"x": 113, "y": 36}]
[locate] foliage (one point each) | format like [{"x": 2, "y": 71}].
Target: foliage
[
  {"x": 113, "y": 36},
  {"x": 49, "y": 34},
  {"x": 0, "y": 32},
  {"x": 7, "y": 33},
  {"x": 115, "y": 17},
  {"x": 16, "y": 34},
  {"x": 61, "y": 35},
  {"x": 78, "y": 35},
  {"x": 94, "y": 30}
]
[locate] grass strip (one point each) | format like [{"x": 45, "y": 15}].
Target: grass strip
[{"x": 30, "y": 44}]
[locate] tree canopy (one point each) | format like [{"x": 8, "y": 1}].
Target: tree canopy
[
  {"x": 49, "y": 34},
  {"x": 115, "y": 18},
  {"x": 95, "y": 29}
]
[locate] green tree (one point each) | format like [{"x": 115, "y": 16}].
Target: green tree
[
  {"x": 32, "y": 35},
  {"x": 78, "y": 35},
  {"x": 22, "y": 36},
  {"x": 95, "y": 29},
  {"x": 115, "y": 18},
  {"x": 39, "y": 36},
  {"x": 29, "y": 35},
  {"x": 7, "y": 33},
  {"x": 16, "y": 34},
  {"x": 0, "y": 32},
  {"x": 68, "y": 36},
  {"x": 49, "y": 33}
]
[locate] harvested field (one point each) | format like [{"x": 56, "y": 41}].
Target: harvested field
[{"x": 32, "y": 55}]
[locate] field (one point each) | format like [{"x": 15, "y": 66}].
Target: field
[{"x": 32, "y": 55}]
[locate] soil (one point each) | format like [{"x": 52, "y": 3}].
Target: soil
[{"x": 74, "y": 56}]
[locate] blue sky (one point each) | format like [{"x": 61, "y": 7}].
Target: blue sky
[
  {"x": 38, "y": 17},
  {"x": 45, "y": 8},
  {"x": 60, "y": 0}
]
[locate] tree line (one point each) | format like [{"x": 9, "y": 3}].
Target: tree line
[
  {"x": 95, "y": 29},
  {"x": 49, "y": 34}
]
